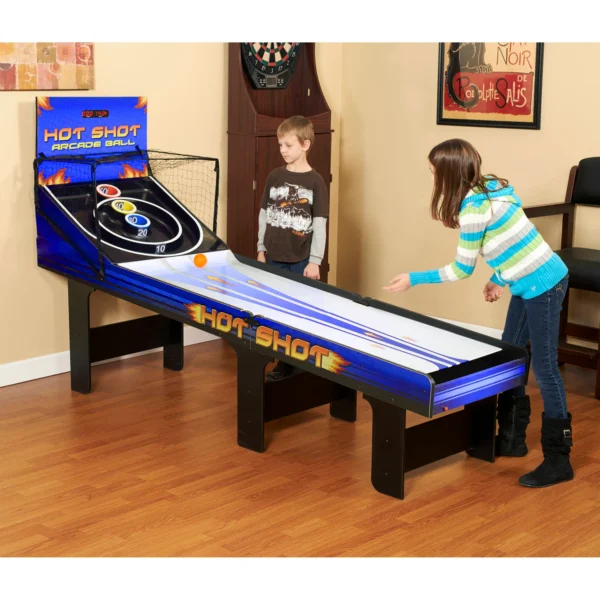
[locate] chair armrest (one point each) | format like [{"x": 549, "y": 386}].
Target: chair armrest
[{"x": 546, "y": 210}]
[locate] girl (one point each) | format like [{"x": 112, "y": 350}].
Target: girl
[{"x": 492, "y": 223}]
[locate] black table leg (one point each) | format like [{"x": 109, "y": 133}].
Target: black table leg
[
  {"x": 79, "y": 336},
  {"x": 173, "y": 348},
  {"x": 481, "y": 429},
  {"x": 387, "y": 460},
  {"x": 251, "y": 399},
  {"x": 345, "y": 407}
]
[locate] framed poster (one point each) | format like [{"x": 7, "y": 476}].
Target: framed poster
[
  {"x": 46, "y": 66},
  {"x": 490, "y": 84}
]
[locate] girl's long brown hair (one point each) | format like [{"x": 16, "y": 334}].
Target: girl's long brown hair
[{"x": 457, "y": 171}]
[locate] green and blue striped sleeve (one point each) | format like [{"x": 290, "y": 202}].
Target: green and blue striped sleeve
[{"x": 473, "y": 220}]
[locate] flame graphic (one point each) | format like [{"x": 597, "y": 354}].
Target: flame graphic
[
  {"x": 254, "y": 283},
  {"x": 290, "y": 202},
  {"x": 43, "y": 103},
  {"x": 372, "y": 335},
  {"x": 213, "y": 278},
  {"x": 379, "y": 346},
  {"x": 129, "y": 172},
  {"x": 212, "y": 288},
  {"x": 408, "y": 338},
  {"x": 194, "y": 310},
  {"x": 56, "y": 179},
  {"x": 142, "y": 103},
  {"x": 334, "y": 363}
]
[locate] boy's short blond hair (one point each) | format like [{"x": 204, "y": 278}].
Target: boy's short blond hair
[{"x": 300, "y": 126}]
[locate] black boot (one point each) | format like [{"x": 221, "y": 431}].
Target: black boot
[
  {"x": 556, "y": 444},
  {"x": 281, "y": 371},
  {"x": 513, "y": 418}
]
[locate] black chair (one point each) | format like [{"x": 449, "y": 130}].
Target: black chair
[{"x": 583, "y": 263}]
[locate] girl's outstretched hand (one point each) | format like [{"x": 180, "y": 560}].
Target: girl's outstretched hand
[
  {"x": 492, "y": 292},
  {"x": 400, "y": 283}
]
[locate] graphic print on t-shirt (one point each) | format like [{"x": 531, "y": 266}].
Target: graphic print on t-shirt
[{"x": 290, "y": 208}]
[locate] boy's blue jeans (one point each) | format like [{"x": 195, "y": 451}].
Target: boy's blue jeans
[
  {"x": 297, "y": 267},
  {"x": 537, "y": 320}
]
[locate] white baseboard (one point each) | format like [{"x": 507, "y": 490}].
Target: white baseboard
[{"x": 54, "y": 364}]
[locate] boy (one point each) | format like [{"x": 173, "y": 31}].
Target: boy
[{"x": 294, "y": 210}]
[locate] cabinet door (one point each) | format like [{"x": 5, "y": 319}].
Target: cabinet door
[
  {"x": 241, "y": 193},
  {"x": 268, "y": 158}
]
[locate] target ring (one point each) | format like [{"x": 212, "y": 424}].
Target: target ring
[
  {"x": 197, "y": 230},
  {"x": 137, "y": 220},
  {"x": 107, "y": 190},
  {"x": 122, "y": 206},
  {"x": 136, "y": 241}
]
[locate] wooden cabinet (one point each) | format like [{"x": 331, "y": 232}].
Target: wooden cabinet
[{"x": 253, "y": 149}]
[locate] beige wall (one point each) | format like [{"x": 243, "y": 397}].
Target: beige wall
[
  {"x": 388, "y": 127},
  {"x": 329, "y": 59},
  {"x": 383, "y": 114},
  {"x": 33, "y": 304},
  {"x": 186, "y": 85}
]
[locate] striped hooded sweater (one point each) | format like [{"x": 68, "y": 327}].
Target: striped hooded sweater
[{"x": 495, "y": 226}]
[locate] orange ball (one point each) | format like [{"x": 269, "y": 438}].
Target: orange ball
[{"x": 200, "y": 260}]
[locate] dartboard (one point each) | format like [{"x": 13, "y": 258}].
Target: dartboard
[{"x": 270, "y": 64}]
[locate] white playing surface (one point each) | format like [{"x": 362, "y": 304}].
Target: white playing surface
[{"x": 369, "y": 330}]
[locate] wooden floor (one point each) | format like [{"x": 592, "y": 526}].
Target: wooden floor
[{"x": 148, "y": 465}]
